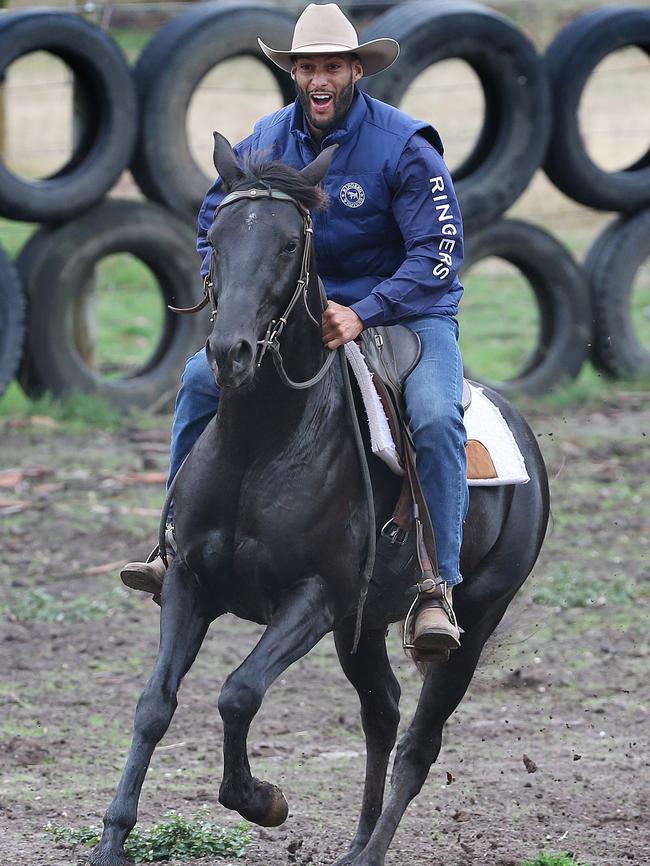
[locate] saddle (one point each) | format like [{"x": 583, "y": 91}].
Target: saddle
[{"x": 391, "y": 353}]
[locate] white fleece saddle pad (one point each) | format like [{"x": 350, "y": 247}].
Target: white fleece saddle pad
[{"x": 493, "y": 456}]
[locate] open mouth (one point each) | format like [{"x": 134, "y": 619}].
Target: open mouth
[{"x": 319, "y": 101}]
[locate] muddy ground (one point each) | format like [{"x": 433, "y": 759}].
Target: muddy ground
[{"x": 564, "y": 681}]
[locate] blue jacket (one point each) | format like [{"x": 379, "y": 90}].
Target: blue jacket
[{"x": 391, "y": 242}]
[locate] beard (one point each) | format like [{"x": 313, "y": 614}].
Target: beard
[{"x": 341, "y": 103}]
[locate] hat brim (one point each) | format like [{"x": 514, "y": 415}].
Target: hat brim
[{"x": 375, "y": 56}]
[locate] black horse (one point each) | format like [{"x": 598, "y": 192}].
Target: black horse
[{"x": 272, "y": 525}]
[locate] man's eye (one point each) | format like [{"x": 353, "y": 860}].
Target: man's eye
[{"x": 291, "y": 247}]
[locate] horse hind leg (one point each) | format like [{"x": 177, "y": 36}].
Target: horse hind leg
[
  {"x": 183, "y": 625},
  {"x": 299, "y": 623},
  {"x": 444, "y": 687},
  {"x": 370, "y": 673}
]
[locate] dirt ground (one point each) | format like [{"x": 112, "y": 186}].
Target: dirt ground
[{"x": 564, "y": 681}]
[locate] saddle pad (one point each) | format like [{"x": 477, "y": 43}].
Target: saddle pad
[{"x": 493, "y": 456}]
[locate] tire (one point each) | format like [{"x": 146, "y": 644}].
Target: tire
[
  {"x": 27, "y": 263},
  {"x": 106, "y": 96},
  {"x": 562, "y": 294},
  {"x": 167, "y": 74},
  {"x": 612, "y": 263},
  {"x": 60, "y": 274},
  {"x": 512, "y": 142},
  {"x": 12, "y": 321},
  {"x": 570, "y": 59}
]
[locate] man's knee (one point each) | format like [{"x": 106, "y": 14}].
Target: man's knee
[
  {"x": 436, "y": 419},
  {"x": 198, "y": 378}
]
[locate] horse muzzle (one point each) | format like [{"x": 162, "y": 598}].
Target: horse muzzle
[{"x": 233, "y": 364}]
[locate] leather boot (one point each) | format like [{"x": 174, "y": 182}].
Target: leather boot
[
  {"x": 435, "y": 630},
  {"x": 148, "y": 576}
]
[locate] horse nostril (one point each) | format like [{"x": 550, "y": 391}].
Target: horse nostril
[
  {"x": 210, "y": 352},
  {"x": 241, "y": 355}
]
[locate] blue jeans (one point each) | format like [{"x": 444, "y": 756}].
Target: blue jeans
[{"x": 433, "y": 397}]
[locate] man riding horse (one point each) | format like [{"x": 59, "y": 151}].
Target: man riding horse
[{"x": 389, "y": 248}]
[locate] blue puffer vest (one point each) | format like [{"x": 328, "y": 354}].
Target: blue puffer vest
[{"x": 359, "y": 239}]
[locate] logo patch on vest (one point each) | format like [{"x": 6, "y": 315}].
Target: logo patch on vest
[{"x": 352, "y": 194}]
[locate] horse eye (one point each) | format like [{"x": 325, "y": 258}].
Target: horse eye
[{"x": 291, "y": 247}]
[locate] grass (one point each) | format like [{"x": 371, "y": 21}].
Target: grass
[
  {"x": 568, "y": 587},
  {"x": 544, "y": 859},
  {"x": 127, "y": 314},
  {"x": 499, "y": 321},
  {"x": 14, "y": 236},
  {"x": 37, "y": 605},
  {"x": 77, "y": 412},
  {"x": 174, "y": 838}
]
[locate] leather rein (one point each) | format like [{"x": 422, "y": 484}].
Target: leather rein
[{"x": 271, "y": 340}]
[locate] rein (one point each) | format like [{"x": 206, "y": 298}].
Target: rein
[{"x": 271, "y": 343}]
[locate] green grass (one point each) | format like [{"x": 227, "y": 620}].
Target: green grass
[
  {"x": 77, "y": 412},
  {"x": 174, "y": 838},
  {"x": 568, "y": 587},
  {"x": 127, "y": 315},
  {"x": 14, "y": 235},
  {"x": 544, "y": 859},
  {"x": 131, "y": 41},
  {"x": 499, "y": 321},
  {"x": 37, "y": 605}
]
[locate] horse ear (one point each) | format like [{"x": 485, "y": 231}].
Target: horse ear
[
  {"x": 225, "y": 161},
  {"x": 316, "y": 170}
]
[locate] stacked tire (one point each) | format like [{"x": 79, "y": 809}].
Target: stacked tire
[
  {"x": 137, "y": 119},
  {"x": 620, "y": 251}
]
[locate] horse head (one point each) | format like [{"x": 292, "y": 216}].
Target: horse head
[{"x": 258, "y": 240}]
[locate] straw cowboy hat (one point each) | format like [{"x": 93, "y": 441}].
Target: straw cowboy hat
[{"x": 324, "y": 29}]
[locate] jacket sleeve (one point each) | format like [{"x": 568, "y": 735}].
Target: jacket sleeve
[
  {"x": 426, "y": 210},
  {"x": 211, "y": 201}
]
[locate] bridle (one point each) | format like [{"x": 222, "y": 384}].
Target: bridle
[{"x": 271, "y": 340}]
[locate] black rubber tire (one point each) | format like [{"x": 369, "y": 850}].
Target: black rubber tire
[
  {"x": 612, "y": 263},
  {"x": 12, "y": 321},
  {"x": 512, "y": 142},
  {"x": 168, "y": 72},
  {"x": 570, "y": 59},
  {"x": 562, "y": 294},
  {"x": 60, "y": 272},
  {"x": 106, "y": 95},
  {"x": 27, "y": 263}
]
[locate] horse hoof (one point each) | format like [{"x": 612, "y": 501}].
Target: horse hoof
[
  {"x": 101, "y": 857},
  {"x": 278, "y": 811},
  {"x": 267, "y": 806}
]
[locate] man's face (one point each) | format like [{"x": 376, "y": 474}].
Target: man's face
[{"x": 325, "y": 85}]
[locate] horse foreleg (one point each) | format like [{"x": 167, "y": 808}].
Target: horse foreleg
[
  {"x": 444, "y": 687},
  {"x": 183, "y": 624},
  {"x": 370, "y": 673},
  {"x": 302, "y": 619}
]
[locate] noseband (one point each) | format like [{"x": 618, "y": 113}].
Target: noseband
[{"x": 271, "y": 341}]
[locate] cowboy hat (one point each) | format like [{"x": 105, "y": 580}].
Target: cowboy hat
[{"x": 324, "y": 29}]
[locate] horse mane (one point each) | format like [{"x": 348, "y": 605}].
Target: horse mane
[{"x": 259, "y": 171}]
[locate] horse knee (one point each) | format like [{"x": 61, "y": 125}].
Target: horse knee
[
  {"x": 415, "y": 755},
  {"x": 239, "y": 698},
  {"x": 154, "y": 712},
  {"x": 382, "y": 721}
]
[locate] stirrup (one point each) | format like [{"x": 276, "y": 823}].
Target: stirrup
[{"x": 426, "y": 588}]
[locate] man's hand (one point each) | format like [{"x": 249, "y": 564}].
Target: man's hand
[{"x": 340, "y": 325}]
